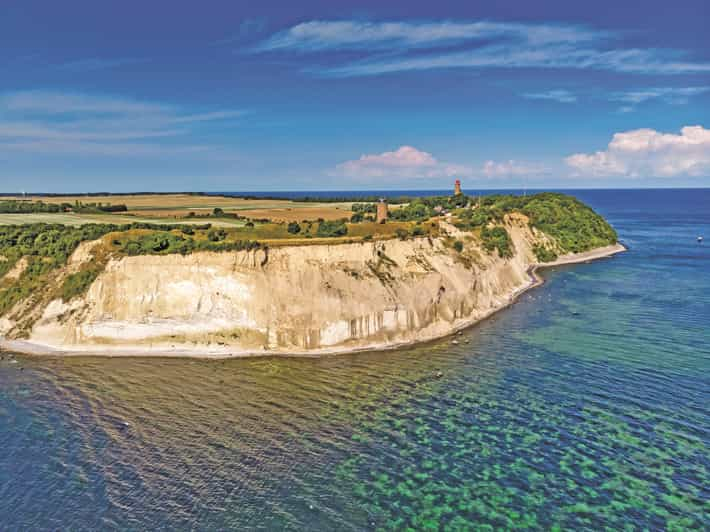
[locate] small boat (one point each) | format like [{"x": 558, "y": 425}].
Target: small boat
[{"x": 700, "y": 239}]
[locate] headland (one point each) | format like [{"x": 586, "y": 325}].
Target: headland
[{"x": 431, "y": 267}]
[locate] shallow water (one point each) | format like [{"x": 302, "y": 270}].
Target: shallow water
[{"x": 584, "y": 405}]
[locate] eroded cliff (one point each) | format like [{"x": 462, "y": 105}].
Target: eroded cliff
[{"x": 295, "y": 299}]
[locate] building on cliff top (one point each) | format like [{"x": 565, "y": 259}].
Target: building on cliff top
[{"x": 381, "y": 211}]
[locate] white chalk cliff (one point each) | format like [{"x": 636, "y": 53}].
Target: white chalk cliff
[{"x": 288, "y": 299}]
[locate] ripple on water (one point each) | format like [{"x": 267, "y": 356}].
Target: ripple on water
[{"x": 583, "y": 406}]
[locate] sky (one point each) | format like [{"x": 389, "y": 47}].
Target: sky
[{"x": 322, "y": 95}]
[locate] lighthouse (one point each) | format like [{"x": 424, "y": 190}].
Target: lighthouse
[{"x": 457, "y": 187}]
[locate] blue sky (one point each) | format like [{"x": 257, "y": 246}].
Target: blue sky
[{"x": 178, "y": 95}]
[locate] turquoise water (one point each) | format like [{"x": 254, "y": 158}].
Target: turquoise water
[{"x": 583, "y": 406}]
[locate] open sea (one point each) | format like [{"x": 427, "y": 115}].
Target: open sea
[{"x": 584, "y": 406}]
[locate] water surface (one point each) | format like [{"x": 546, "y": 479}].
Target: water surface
[{"x": 583, "y": 406}]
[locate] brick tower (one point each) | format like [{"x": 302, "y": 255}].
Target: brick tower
[
  {"x": 457, "y": 188},
  {"x": 381, "y": 211}
]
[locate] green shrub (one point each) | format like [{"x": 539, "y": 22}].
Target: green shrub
[
  {"x": 217, "y": 235},
  {"x": 458, "y": 246},
  {"x": 363, "y": 207},
  {"x": 78, "y": 283},
  {"x": 497, "y": 238},
  {"x": 293, "y": 228},
  {"x": 332, "y": 228},
  {"x": 402, "y": 234},
  {"x": 544, "y": 253},
  {"x": 21, "y": 206}
]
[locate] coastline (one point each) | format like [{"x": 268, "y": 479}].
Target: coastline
[{"x": 35, "y": 349}]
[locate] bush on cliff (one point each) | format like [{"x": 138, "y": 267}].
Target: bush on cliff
[
  {"x": 544, "y": 253},
  {"x": 574, "y": 225},
  {"x": 497, "y": 238}
]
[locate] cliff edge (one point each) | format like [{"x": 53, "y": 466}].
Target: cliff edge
[{"x": 304, "y": 299}]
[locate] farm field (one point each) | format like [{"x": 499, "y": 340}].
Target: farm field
[
  {"x": 68, "y": 218},
  {"x": 180, "y": 208}
]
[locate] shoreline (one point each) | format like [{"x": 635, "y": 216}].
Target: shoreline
[{"x": 33, "y": 349}]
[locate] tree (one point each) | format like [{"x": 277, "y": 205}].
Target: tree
[
  {"x": 293, "y": 228},
  {"x": 332, "y": 228},
  {"x": 217, "y": 211}
]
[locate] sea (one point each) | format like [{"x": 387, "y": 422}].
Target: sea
[{"x": 583, "y": 406}]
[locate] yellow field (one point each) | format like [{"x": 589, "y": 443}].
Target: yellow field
[
  {"x": 189, "y": 209},
  {"x": 152, "y": 207},
  {"x": 68, "y": 218}
]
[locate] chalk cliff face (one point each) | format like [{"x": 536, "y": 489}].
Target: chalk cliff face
[{"x": 290, "y": 299}]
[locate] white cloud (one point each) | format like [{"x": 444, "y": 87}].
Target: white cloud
[
  {"x": 511, "y": 168},
  {"x": 65, "y": 122},
  {"x": 387, "y": 47},
  {"x": 411, "y": 163},
  {"x": 405, "y": 162},
  {"x": 558, "y": 95},
  {"x": 649, "y": 153}
]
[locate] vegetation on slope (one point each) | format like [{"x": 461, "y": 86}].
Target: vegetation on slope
[
  {"x": 46, "y": 247},
  {"x": 574, "y": 226},
  {"x": 497, "y": 237}
]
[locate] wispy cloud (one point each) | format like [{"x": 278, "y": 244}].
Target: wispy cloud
[
  {"x": 248, "y": 29},
  {"x": 385, "y": 47},
  {"x": 97, "y": 63},
  {"x": 558, "y": 95},
  {"x": 670, "y": 95},
  {"x": 105, "y": 149},
  {"x": 208, "y": 117},
  {"x": 320, "y": 35},
  {"x": 80, "y": 123},
  {"x": 57, "y": 102}
]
